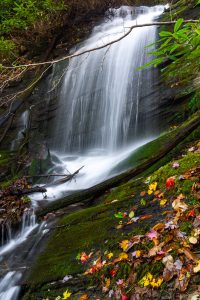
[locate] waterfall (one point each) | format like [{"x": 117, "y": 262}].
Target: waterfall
[
  {"x": 23, "y": 122},
  {"x": 103, "y": 99},
  {"x": 107, "y": 108}
]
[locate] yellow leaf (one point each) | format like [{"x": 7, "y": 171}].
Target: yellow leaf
[
  {"x": 197, "y": 268},
  {"x": 163, "y": 202},
  {"x": 156, "y": 282},
  {"x": 138, "y": 253},
  {"x": 124, "y": 244},
  {"x": 123, "y": 256},
  {"x": 153, "y": 186},
  {"x": 108, "y": 282},
  {"x": 131, "y": 215},
  {"x": 110, "y": 255},
  {"x": 150, "y": 192},
  {"x": 66, "y": 294}
]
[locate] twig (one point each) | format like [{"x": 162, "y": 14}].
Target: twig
[{"x": 97, "y": 48}]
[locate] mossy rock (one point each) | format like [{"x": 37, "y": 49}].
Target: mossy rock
[{"x": 95, "y": 229}]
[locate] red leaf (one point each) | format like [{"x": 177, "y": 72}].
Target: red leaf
[
  {"x": 170, "y": 183},
  {"x": 191, "y": 214}
]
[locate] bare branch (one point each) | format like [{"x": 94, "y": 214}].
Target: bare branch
[{"x": 97, "y": 48}]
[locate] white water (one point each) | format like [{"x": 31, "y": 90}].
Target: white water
[
  {"x": 9, "y": 288},
  {"x": 23, "y": 123},
  {"x": 106, "y": 108}
]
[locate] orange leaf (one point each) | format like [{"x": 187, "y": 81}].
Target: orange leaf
[
  {"x": 146, "y": 217},
  {"x": 142, "y": 194},
  {"x": 84, "y": 297}
]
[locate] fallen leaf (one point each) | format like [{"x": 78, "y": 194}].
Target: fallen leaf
[
  {"x": 152, "y": 234},
  {"x": 137, "y": 253},
  {"x": 170, "y": 183},
  {"x": 120, "y": 282},
  {"x": 119, "y": 215},
  {"x": 143, "y": 202},
  {"x": 197, "y": 267},
  {"x": 163, "y": 202},
  {"x": 124, "y": 297},
  {"x": 191, "y": 214},
  {"x": 175, "y": 165},
  {"x": 179, "y": 205},
  {"x": 136, "y": 239},
  {"x": 84, "y": 297},
  {"x": 159, "y": 227},
  {"x": 124, "y": 244},
  {"x": 188, "y": 254},
  {"x": 146, "y": 217},
  {"x": 66, "y": 295},
  {"x": 168, "y": 261},
  {"x": 123, "y": 256},
  {"x": 110, "y": 255},
  {"x": 178, "y": 264},
  {"x": 193, "y": 240},
  {"x": 131, "y": 214},
  {"x": 142, "y": 194}
]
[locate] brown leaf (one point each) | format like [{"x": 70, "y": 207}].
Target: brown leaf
[
  {"x": 168, "y": 275},
  {"x": 188, "y": 254},
  {"x": 136, "y": 239},
  {"x": 159, "y": 227}
]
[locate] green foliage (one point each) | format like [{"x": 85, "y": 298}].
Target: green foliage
[
  {"x": 19, "y": 14},
  {"x": 6, "y": 47},
  {"x": 179, "y": 49}
]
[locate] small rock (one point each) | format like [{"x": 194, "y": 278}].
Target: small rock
[
  {"x": 67, "y": 278},
  {"x": 181, "y": 177}
]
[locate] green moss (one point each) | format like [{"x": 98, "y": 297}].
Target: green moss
[
  {"x": 80, "y": 231},
  {"x": 125, "y": 191},
  {"x": 189, "y": 161},
  {"x": 149, "y": 150},
  {"x": 179, "y": 149},
  {"x": 5, "y": 157}
]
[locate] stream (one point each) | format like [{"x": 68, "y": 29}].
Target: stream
[{"x": 106, "y": 110}]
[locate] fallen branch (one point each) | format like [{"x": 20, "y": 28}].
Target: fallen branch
[
  {"x": 21, "y": 192},
  {"x": 179, "y": 135},
  {"x": 65, "y": 179}
]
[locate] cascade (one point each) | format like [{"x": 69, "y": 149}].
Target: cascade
[
  {"x": 106, "y": 110},
  {"x": 9, "y": 288}
]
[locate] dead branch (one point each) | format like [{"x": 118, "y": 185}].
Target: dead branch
[
  {"x": 65, "y": 179},
  {"x": 97, "y": 48}
]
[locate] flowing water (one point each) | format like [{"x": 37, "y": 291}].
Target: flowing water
[
  {"x": 106, "y": 110},
  {"x": 13, "y": 255}
]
